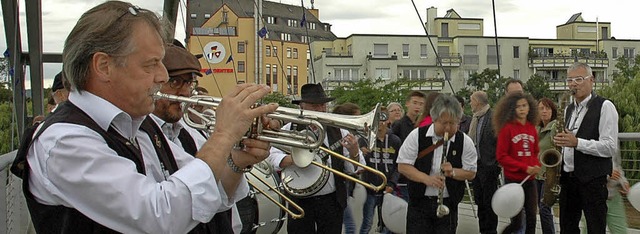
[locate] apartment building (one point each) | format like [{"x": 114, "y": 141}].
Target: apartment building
[
  {"x": 462, "y": 50},
  {"x": 253, "y": 41}
]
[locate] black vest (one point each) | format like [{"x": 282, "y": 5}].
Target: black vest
[
  {"x": 221, "y": 222},
  {"x": 455, "y": 187},
  {"x": 61, "y": 219},
  {"x": 586, "y": 166}
]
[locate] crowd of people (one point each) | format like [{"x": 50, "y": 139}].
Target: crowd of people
[{"x": 127, "y": 162}]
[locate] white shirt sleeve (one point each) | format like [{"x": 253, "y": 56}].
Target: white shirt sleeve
[
  {"x": 469, "y": 155},
  {"x": 409, "y": 150},
  {"x": 72, "y": 165},
  {"x": 607, "y": 144}
]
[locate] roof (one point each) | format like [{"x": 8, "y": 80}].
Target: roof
[{"x": 282, "y": 13}]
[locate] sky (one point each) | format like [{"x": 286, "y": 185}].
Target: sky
[{"x": 515, "y": 18}]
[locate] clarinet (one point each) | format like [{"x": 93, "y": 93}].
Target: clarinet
[{"x": 442, "y": 209}]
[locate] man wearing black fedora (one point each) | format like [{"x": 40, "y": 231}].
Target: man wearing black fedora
[{"x": 323, "y": 208}]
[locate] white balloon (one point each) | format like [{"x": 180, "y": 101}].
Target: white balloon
[
  {"x": 508, "y": 200},
  {"x": 634, "y": 196},
  {"x": 394, "y": 213}
]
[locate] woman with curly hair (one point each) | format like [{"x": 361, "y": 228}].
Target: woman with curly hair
[{"x": 514, "y": 120}]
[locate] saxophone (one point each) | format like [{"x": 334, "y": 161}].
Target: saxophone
[
  {"x": 442, "y": 209},
  {"x": 551, "y": 158}
]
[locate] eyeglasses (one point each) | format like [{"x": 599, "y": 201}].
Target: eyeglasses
[
  {"x": 577, "y": 79},
  {"x": 133, "y": 10},
  {"x": 176, "y": 82}
]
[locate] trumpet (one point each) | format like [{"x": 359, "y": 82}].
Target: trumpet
[
  {"x": 366, "y": 124},
  {"x": 442, "y": 209}
]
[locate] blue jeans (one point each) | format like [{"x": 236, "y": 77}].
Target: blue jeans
[
  {"x": 546, "y": 216},
  {"x": 373, "y": 201},
  {"x": 349, "y": 223}
]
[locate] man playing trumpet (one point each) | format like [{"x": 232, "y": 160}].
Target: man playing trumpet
[{"x": 421, "y": 160}]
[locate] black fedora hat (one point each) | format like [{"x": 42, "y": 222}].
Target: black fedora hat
[{"x": 313, "y": 93}]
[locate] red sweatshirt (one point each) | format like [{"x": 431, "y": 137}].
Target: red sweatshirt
[{"x": 517, "y": 149}]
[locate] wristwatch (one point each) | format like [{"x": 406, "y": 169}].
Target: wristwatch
[{"x": 235, "y": 167}]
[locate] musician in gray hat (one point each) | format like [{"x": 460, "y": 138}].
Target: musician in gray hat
[{"x": 324, "y": 208}]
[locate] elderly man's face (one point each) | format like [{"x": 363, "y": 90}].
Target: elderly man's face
[
  {"x": 446, "y": 123},
  {"x": 141, "y": 76},
  {"x": 320, "y": 107},
  {"x": 514, "y": 87},
  {"x": 181, "y": 85},
  {"x": 580, "y": 81}
]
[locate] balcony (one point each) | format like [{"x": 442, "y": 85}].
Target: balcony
[
  {"x": 426, "y": 84},
  {"x": 565, "y": 60},
  {"x": 222, "y": 31},
  {"x": 561, "y": 85},
  {"x": 332, "y": 83},
  {"x": 450, "y": 60},
  {"x": 382, "y": 57}
]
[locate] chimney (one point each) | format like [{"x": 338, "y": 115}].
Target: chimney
[{"x": 432, "y": 13}]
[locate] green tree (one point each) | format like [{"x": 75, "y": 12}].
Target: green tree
[
  {"x": 490, "y": 82},
  {"x": 279, "y": 98},
  {"x": 538, "y": 87},
  {"x": 367, "y": 93}
]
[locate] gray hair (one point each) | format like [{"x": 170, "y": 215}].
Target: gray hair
[
  {"x": 396, "y": 104},
  {"x": 481, "y": 97},
  {"x": 445, "y": 104},
  {"x": 106, "y": 28},
  {"x": 576, "y": 66}
]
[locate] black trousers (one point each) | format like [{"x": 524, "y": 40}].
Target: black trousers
[
  {"x": 421, "y": 216},
  {"x": 322, "y": 214},
  {"x": 530, "y": 209},
  {"x": 484, "y": 186},
  {"x": 576, "y": 197}
]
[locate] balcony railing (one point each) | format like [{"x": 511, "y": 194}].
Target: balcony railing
[
  {"x": 561, "y": 60},
  {"x": 450, "y": 60},
  {"x": 561, "y": 85},
  {"x": 426, "y": 84}
]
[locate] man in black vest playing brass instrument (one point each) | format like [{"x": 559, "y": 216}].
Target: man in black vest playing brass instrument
[
  {"x": 97, "y": 164},
  {"x": 589, "y": 141},
  {"x": 323, "y": 209},
  {"x": 421, "y": 161}
]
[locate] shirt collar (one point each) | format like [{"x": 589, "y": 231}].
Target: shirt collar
[
  {"x": 584, "y": 102},
  {"x": 171, "y": 130},
  {"x": 105, "y": 114},
  {"x": 431, "y": 132}
]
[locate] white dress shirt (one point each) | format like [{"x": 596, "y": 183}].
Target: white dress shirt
[
  {"x": 607, "y": 144},
  {"x": 71, "y": 165},
  {"x": 173, "y": 129},
  {"x": 410, "y": 148},
  {"x": 277, "y": 155}
]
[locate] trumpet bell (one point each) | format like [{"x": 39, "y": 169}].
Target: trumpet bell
[{"x": 508, "y": 200}]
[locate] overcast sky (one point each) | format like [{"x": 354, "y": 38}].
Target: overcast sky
[{"x": 516, "y": 18}]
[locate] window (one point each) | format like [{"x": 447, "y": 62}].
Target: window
[
  {"x": 405, "y": 50},
  {"x": 292, "y": 23},
  {"x": 308, "y": 54},
  {"x": 516, "y": 74},
  {"x": 267, "y": 51},
  {"x": 492, "y": 56},
  {"x": 423, "y": 50},
  {"x": 274, "y": 73},
  {"x": 207, "y": 16},
  {"x": 383, "y": 73},
  {"x": 614, "y": 52},
  {"x": 241, "y": 66},
  {"x": 543, "y": 51},
  {"x": 193, "y": 15},
  {"x": 447, "y": 74},
  {"x": 285, "y": 36},
  {"x": 629, "y": 52},
  {"x": 470, "y": 55},
  {"x": 311, "y": 26},
  {"x": 443, "y": 51},
  {"x": 444, "y": 30},
  {"x": 241, "y": 47},
  {"x": 380, "y": 50},
  {"x": 275, "y": 51},
  {"x": 225, "y": 16},
  {"x": 289, "y": 91},
  {"x": 288, "y": 52},
  {"x": 414, "y": 73},
  {"x": 268, "y": 75},
  {"x": 295, "y": 53},
  {"x": 304, "y": 39},
  {"x": 346, "y": 74},
  {"x": 516, "y": 52},
  {"x": 271, "y": 20},
  {"x": 295, "y": 80}
]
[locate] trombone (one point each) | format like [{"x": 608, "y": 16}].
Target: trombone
[{"x": 267, "y": 170}]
